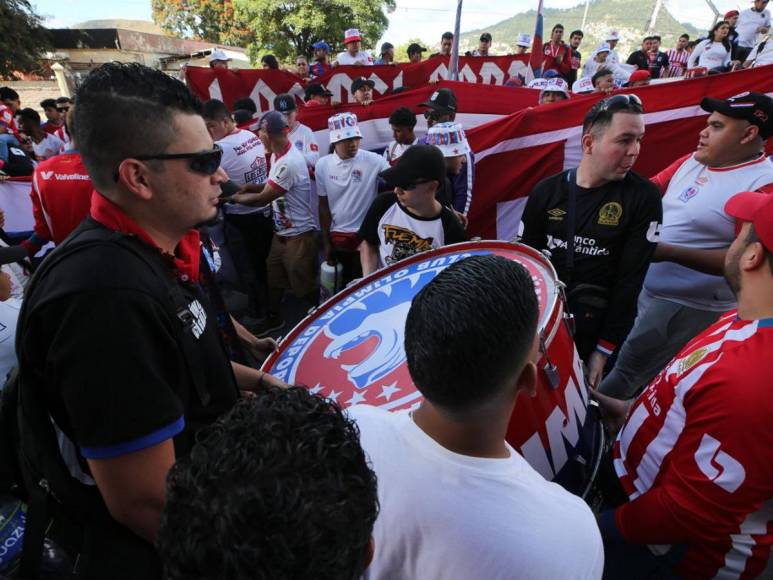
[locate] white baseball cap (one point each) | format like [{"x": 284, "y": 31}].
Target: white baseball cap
[
  {"x": 555, "y": 85},
  {"x": 613, "y": 35},
  {"x": 343, "y": 126},
  {"x": 603, "y": 47},
  {"x": 583, "y": 85},
  {"x": 217, "y": 54},
  {"x": 523, "y": 40},
  {"x": 537, "y": 84},
  {"x": 449, "y": 138}
]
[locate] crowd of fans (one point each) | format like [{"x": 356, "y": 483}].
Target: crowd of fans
[{"x": 176, "y": 457}]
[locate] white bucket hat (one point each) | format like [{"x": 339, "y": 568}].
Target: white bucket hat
[
  {"x": 449, "y": 138},
  {"x": 217, "y": 54},
  {"x": 555, "y": 85},
  {"x": 523, "y": 40},
  {"x": 343, "y": 126}
]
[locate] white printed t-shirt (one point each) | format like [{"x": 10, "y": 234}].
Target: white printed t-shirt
[
  {"x": 350, "y": 186},
  {"x": 244, "y": 160},
  {"x": 395, "y": 150},
  {"x": 50, "y": 146},
  {"x": 455, "y": 517},
  {"x": 749, "y": 21},
  {"x": 694, "y": 216},
  {"x": 362, "y": 58},
  {"x": 292, "y": 212},
  {"x": 302, "y": 138}
]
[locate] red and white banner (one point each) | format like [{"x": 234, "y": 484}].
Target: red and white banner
[
  {"x": 512, "y": 154},
  {"x": 263, "y": 85},
  {"x": 476, "y": 105},
  {"x": 16, "y": 205}
]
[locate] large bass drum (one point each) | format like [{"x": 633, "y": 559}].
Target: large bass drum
[{"x": 350, "y": 350}]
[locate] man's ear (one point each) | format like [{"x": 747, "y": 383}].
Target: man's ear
[
  {"x": 527, "y": 380},
  {"x": 133, "y": 175},
  {"x": 587, "y": 143},
  {"x": 750, "y": 134},
  {"x": 753, "y": 257}
]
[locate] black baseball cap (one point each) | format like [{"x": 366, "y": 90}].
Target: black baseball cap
[
  {"x": 442, "y": 100},
  {"x": 360, "y": 82},
  {"x": 314, "y": 89},
  {"x": 419, "y": 163},
  {"x": 756, "y": 108},
  {"x": 284, "y": 103},
  {"x": 485, "y": 37},
  {"x": 386, "y": 46},
  {"x": 414, "y": 48}
]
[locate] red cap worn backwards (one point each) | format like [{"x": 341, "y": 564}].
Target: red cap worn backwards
[{"x": 757, "y": 208}]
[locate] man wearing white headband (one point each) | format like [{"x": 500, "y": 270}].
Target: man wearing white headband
[{"x": 347, "y": 183}]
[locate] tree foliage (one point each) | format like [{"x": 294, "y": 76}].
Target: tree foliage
[
  {"x": 209, "y": 20},
  {"x": 287, "y": 28},
  {"x": 23, "y": 39}
]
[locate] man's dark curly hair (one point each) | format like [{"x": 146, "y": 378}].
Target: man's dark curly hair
[
  {"x": 278, "y": 488},
  {"x": 125, "y": 110}
]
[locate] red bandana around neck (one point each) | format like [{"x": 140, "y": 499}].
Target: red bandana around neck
[{"x": 186, "y": 256}]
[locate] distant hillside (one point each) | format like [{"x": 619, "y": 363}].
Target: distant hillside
[{"x": 629, "y": 17}]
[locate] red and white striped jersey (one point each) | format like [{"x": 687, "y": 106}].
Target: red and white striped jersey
[
  {"x": 677, "y": 62},
  {"x": 696, "y": 453}
]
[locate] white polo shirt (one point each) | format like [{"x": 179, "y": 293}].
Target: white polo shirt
[
  {"x": 362, "y": 58},
  {"x": 292, "y": 212},
  {"x": 749, "y": 21},
  {"x": 50, "y": 146},
  {"x": 694, "y": 216},
  {"x": 350, "y": 185},
  {"x": 244, "y": 160}
]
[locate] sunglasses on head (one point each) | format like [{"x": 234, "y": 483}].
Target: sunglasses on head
[
  {"x": 204, "y": 162},
  {"x": 617, "y": 103}
]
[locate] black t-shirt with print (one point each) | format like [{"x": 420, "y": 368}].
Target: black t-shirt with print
[
  {"x": 399, "y": 234},
  {"x": 611, "y": 239}
]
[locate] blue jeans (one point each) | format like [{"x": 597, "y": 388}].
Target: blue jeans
[{"x": 6, "y": 140}]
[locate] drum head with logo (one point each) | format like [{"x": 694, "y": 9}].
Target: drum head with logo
[{"x": 351, "y": 348}]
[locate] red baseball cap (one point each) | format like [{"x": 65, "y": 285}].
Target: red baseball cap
[
  {"x": 757, "y": 208},
  {"x": 731, "y": 13}
]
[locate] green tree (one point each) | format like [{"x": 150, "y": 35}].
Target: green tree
[
  {"x": 287, "y": 28},
  {"x": 23, "y": 39},
  {"x": 209, "y": 20}
]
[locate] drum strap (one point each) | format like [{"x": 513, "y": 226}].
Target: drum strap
[{"x": 571, "y": 216}]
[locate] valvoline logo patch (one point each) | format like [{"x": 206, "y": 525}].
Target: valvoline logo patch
[{"x": 351, "y": 350}]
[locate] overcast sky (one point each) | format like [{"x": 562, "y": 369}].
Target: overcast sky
[{"x": 408, "y": 21}]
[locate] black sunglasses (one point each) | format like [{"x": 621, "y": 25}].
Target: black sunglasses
[
  {"x": 616, "y": 103},
  {"x": 204, "y": 162}
]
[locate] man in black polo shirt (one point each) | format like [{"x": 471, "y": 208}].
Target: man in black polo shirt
[
  {"x": 610, "y": 216},
  {"x": 118, "y": 337}
]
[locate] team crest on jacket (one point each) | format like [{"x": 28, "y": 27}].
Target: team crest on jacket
[
  {"x": 556, "y": 214},
  {"x": 610, "y": 213}
]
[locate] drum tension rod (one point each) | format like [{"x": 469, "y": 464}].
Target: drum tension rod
[{"x": 550, "y": 370}]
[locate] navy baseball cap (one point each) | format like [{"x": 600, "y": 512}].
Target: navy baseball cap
[
  {"x": 321, "y": 45},
  {"x": 273, "y": 122},
  {"x": 757, "y": 108},
  {"x": 442, "y": 100},
  {"x": 314, "y": 89},
  {"x": 284, "y": 103}
]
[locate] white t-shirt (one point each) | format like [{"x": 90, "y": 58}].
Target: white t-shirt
[
  {"x": 362, "y": 58},
  {"x": 9, "y": 315},
  {"x": 749, "y": 21},
  {"x": 395, "y": 150},
  {"x": 244, "y": 160},
  {"x": 764, "y": 57},
  {"x": 709, "y": 54},
  {"x": 694, "y": 216},
  {"x": 50, "y": 146},
  {"x": 446, "y": 516},
  {"x": 350, "y": 186},
  {"x": 292, "y": 212},
  {"x": 302, "y": 138}
]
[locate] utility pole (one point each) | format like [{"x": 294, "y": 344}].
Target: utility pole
[
  {"x": 454, "y": 64},
  {"x": 585, "y": 14},
  {"x": 654, "y": 17}
]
